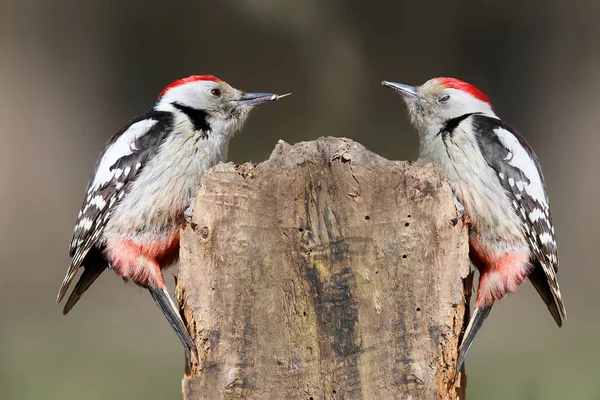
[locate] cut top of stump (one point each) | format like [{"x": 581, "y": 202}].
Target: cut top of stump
[{"x": 325, "y": 272}]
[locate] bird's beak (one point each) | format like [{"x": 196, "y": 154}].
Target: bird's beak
[
  {"x": 405, "y": 90},
  {"x": 257, "y": 98}
]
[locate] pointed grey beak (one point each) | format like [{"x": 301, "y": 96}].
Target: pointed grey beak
[
  {"x": 257, "y": 98},
  {"x": 405, "y": 90}
]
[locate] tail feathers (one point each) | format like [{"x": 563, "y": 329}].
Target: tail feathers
[
  {"x": 92, "y": 270},
  {"x": 93, "y": 261},
  {"x": 66, "y": 282},
  {"x": 555, "y": 306},
  {"x": 475, "y": 323},
  {"x": 82, "y": 255},
  {"x": 171, "y": 312}
]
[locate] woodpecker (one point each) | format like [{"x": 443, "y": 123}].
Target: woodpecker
[
  {"x": 499, "y": 189},
  {"x": 144, "y": 182}
]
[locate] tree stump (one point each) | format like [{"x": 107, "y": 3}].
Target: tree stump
[{"x": 325, "y": 272}]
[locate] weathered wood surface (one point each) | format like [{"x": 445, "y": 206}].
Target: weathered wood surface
[{"x": 325, "y": 272}]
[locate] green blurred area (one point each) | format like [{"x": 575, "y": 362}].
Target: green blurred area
[{"x": 72, "y": 73}]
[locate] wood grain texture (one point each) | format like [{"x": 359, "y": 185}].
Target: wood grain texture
[{"x": 325, "y": 272}]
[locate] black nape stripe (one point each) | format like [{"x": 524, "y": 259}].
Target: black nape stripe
[
  {"x": 198, "y": 117},
  {"x": 452, "y": 124}
]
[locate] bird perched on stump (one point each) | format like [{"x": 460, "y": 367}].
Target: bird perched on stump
[
  {"x": 144, "y": 182},
  {"x": 500, "y": 192}
]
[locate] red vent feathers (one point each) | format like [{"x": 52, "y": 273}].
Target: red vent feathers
[
  {"x": 457, "y": 84},
  {"x": 189, "y": 79}
]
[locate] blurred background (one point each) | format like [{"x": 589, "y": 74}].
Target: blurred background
[{"x": 73, "y": 72}]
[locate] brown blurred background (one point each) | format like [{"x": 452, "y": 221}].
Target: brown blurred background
[{"x": 72, "y": 72}]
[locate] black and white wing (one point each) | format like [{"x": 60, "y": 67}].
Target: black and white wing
[
  {"x": 509, "y": 154},
  {"x": 121, "y": 160}
]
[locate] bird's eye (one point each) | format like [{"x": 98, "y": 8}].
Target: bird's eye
[
  {"x": 443, "y": 98},
  {"x": 216, "y": 92}
]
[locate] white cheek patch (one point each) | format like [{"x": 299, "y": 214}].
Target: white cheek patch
[
  {"x": 120, "y": 148},
  {"x": 464, "y": 103}
]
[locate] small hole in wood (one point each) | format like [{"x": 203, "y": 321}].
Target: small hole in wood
[
  {"x": 407, "y": 224},
  {"x": 334, "y": 392},
  {"x": 311, "y": 398},
  {"x": 408, "y": 215},
  {"x": 404, "y": 255},
  {"x": 367, "y": 217},
  {"x": 204, "y": 232},
  {"x": 376, "y": 272},
  {"x": 300, "y": 230},
  {"x": 304, "y": 313},
  {"x": 418, "y": 308}
]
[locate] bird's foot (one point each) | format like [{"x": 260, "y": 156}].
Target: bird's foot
[
  {"x": 460, "y": 209},
  {"x": 188, "y": 213}
]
